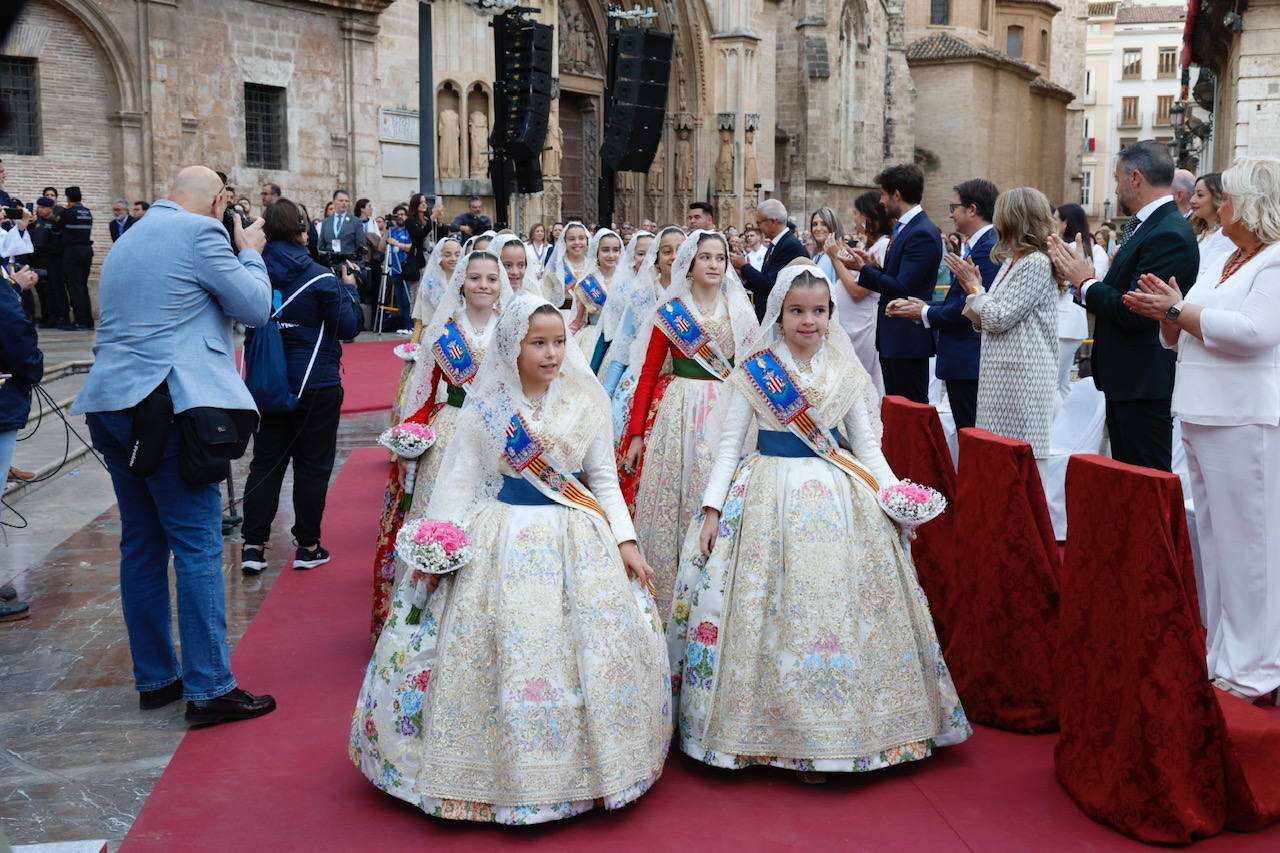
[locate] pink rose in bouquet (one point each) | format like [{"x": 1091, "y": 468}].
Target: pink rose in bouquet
[
  {"x": 407, "y": 351},
  {"x": 911, "y": 504},
  {"x": 409, "y": 440},
  {"x": 432, "y": 548}
]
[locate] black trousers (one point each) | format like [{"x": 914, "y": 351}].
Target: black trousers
[
  {"x": 963, "y": 394},
  {"x": 53, "y": 297},
  {"x": 308, "y": 437},
  {"x": 1141, "y": 432},
  {"x": 76, "y": 261},
  {"x": 906, "y": 377}
]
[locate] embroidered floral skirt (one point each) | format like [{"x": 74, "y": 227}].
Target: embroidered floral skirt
[
  {"x": 535, "y": 687},
  {"x": 805, "y": 641},
  {"x": 677, "y": 465},
  {"x": 388, "y": 570}
]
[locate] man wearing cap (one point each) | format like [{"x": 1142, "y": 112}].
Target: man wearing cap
[
  {"x": 75, "y": 228},
  {"x": 46, "y": 255}
]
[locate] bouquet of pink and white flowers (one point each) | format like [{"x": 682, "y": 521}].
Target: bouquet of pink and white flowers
[
  {"x": 431, "y": 548},
  {"x": 407, "y": 351},
  {"x": 911, "y": 504},
  {"x": 409, "y": 440}
]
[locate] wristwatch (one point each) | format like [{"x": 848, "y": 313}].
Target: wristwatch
[{"x": 1171, "y": 316}]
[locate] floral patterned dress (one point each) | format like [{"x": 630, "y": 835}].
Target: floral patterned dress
[
  {"x": 805, "y": 641},
  {"x": 535, "y": 686}
]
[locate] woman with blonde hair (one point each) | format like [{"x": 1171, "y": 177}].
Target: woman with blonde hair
[
  {"x": 1018, "y": 319},
  {"x": 1227, "y": 395}
]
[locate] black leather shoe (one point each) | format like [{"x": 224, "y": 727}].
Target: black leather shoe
[
  {"x": 228, "y": 708},
  {"x": 149, "y": 700},
  {"x": 8, "y": 593}
]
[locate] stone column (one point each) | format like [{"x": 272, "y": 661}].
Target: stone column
[{"x": 360, "y": 67}]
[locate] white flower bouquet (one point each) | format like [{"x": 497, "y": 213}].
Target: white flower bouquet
[
  {"x": 408, "y": 440},
  {"x": 431, "y": 548},
  {"x": 407, "y": 351},
  {"x": 911, "y": 504}
]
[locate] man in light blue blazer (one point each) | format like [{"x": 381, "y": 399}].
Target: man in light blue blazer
[{"x": 167, "y": 297}]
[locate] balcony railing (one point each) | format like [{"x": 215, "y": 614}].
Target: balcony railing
[{"x": 1131, "y": 119}]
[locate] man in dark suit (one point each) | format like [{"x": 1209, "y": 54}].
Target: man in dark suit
[
  {"x": 342, "y": 232},
  {"x": 959, "y": 345},
  {"x": 120, "y": 219},
  {"x": 782, "y": 248},
  {"x": 910, "y": 269},
  {"x": 1129, "y": 365}
]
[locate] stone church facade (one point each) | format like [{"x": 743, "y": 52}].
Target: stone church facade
[{"x": 802, "y": 100}]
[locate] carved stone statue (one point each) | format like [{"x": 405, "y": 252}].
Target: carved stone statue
[
  {"x": 577, "y": 42},
  {"x": 750, "y": 168},
  {"x": 684, "y": 161},
  {"x": 555, "y": 147},
  {"x": 450, "y": 145},
  {"x": 724, "y": 163},
  {"x": 658, "y": 171},
  {"x": 479, "y": 131}
]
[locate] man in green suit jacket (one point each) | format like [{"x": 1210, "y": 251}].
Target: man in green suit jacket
[{"x": 1129, "y": 365}]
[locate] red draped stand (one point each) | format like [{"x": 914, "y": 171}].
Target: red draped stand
[
  {"x": 916, "y": 449},
  {"x": 1148, "y": 746},
  {"x": 1004, "y": 622}
]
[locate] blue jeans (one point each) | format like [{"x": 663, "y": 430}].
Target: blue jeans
[
  {"x": 160, "y": 515},
  {"x": 8, "y": 441}
]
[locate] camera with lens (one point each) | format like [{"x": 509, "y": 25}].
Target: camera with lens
[{"x": 229, "y": 219}]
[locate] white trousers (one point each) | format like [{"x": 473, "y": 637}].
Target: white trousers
[
  {"x": 1235, "y": 481},
  {"x": 1067, "y": 348}
]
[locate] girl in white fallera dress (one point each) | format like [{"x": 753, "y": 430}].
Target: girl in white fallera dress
[
  {"x": 568, "y": 264},
  {"x": 703, "y": 321},
  {"x": 803, "y": 640},
  {"x": 617, "y": 309},
  {"x": 453, "y": 348},
  {"x": 592, "y": 293},
  {"x": 435, "y": 278},
  {"x": 514, "y": 254},
  {"x": 535, "y": 686},
  {"x": 626, "y": 360}
]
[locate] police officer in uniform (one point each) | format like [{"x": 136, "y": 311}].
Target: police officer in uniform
[
  {"x": 75, "y": 227},
  {"x": 47, "y": 256}
]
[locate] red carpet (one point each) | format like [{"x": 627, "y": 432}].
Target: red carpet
[
  {"x": 370, "y": 373},
  {"x": 284, "y": 783}
]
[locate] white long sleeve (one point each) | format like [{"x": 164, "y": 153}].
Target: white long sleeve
[
  {"x": 601, "y": 470},
  {"x": 1254, "y": 328},
  {"x": 14, "y": 242},
  {"x": 864, "y": 440},
  {"x": 733, "y": 432}
]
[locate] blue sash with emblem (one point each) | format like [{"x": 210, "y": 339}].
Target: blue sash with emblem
[
  {"x": 593, "y": 290},
  {"x": 792, "y": 409},
  {"x": 454, "y": 355},
  {"x": 678, "y": 324},
  {"x": 528, "y": 458}
]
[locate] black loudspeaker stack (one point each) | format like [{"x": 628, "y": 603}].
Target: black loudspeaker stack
[
  {"x": 522, "y": 101},
  {"x": 641, "y": 71}
]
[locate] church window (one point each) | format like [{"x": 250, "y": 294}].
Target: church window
[
  {"x": 940, "y": 12},
  {"x": 1013, "y": 42},
  {"x": 21, "y": 97},
  {"x": 264, "y": 126}
]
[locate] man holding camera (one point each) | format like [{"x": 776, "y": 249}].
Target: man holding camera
[
  {"x": 474, "y": 221},
  {"x": 165, "y": 350}
]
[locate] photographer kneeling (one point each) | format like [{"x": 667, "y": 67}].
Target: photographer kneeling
[{"x": 317, "y": 312}]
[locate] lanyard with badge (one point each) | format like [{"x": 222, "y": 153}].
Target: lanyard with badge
[{"x": 336, "y": 242}]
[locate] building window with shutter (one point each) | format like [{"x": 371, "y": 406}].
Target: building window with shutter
[
  {"x": 1086, "y": 190},
  {"x": 1013, "y": 42},
  {"x": 1131, "y": 64},
  {"x": 1129, "y": 116},
  {"x": 1164, "y": 104},
  {"x": 20, "y": 95},
  {"x": 984, "y": 15},
  {"x": 940, "y": 12},
  {"x": 264, "y": 126},
  {"x": 1168, "y": 64}
]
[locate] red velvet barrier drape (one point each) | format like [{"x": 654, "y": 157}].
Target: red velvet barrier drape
[
  {"x": 916, "y": 449},
  {"x": 1004, "y": 618},
  {"x": 1252, "y": 760},
  {"x": 1142, "y": 737}
]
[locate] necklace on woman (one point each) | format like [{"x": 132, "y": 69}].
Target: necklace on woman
[
  {"x": 705, "y": 310},
  {"x": 1237, "y": 260}
]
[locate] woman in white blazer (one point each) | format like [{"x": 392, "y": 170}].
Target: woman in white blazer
[{"x": 1227, "y": 394}]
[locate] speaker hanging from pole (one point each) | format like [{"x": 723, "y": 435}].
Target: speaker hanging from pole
[
  {"x": 642, "y": 70},
  {"x": 524, "y": 74}
]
